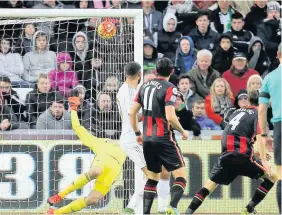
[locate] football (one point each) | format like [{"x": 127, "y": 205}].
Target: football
[{"x": 107, "y": 30}]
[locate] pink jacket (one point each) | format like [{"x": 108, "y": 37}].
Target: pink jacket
[
  {"x": 98, "y": 4},
  {"x": 64, "y": 81}
]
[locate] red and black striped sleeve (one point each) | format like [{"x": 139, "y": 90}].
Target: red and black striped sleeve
[
  {"x": 138, "y": 97},
  {"x": 170, "y": 96}
]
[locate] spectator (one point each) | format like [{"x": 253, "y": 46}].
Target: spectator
[
  {"x": 11, "y": 99},
  {"x": 270, "y": 30},
  {"x": 112, "y": 84},
  {"x": 198, "y": 109},
  {"x": 168, "y": 37},
  {"x": 185, "y": 117},
  {"x": 99, "y": 4},
  {"x": 83, "y": 4},
  {"x": 223, "y": 55},
  {"x": 239, "y": 73},
  {"x": 219, "y": 101},
  {"x": 150, "y": 55},
  {"x": 203, "y": 36},
  {"x": 242, "y": 6},
  {"x": 153, "y": 19},
  {"x": 254, "y": 83},
  {"x": 24, "y": 43},
  {"x": 203, "y": 75},
  {"x": 204, "y": 5},
  {"x": 63, "y": 78},
  {"x": 256, "y": 16},
  {"x": 186, "y": 56},
  {"x": 184, "y": 86},
  {"x": 221, "y": 16},
  {"x": 40, "y": 59},
  {"x": 148, "y": 75},
  {"x": 48, "y": 26},
  {"x": 241, "y": 38},
  {"x": 104, "y": 116},
  {"x": 84, "y": 111},
  {"x": 14, "y": 4},
  {"x": 55, "y": 117},
  {"x": 39, "y": 99},
  {"x": 8, "y": 120},
  {"x": 241, "y": 101},
  {"x": 257, "y": 57},
  {"x": 12, "y": 62}
]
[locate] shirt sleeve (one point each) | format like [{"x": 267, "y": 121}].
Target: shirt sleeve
[
  {"x": 170, "y": 96},
  {"x": 264, "y": 95},
  {"x": 138, "y": 97}
]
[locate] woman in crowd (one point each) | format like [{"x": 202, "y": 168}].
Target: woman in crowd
[
  {"x": 219, "y": 101},
  {"x": 254, "y": 83},
  {"x": 24, "y": 43}
]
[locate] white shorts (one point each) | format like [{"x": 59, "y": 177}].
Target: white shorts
[{"x": 135, "y": 152}]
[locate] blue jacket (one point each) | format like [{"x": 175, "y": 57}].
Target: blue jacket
[{"x": 206, "y": 123}]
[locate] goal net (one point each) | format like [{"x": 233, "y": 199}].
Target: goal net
[{"x": 44, "y": 155}]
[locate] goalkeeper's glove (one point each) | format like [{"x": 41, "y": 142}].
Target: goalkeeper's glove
[{"x": 74, "y": 103}]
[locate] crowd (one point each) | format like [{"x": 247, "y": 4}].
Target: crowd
[{"x": 221, "y": 50}]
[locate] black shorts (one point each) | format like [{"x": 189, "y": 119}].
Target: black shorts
[
  {"x": 277, "y": 142},
  {"x": 158, "y": 154},
  {"x": 226, "y": 169}
]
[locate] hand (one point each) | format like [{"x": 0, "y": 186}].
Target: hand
[
  {"x": 74, "y": 103},
  {"x": 139, "y": 139},
  {"x": 267, "y": 167},
  {"x": 185, "y": 135},
  {"x": 5, "y": 124},
  {"x": 196, "y": 138},
  {"x": 268, "y": 142}
]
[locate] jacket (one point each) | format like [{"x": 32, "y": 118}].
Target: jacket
[
  {"x": 206, "y": 123},
  {"x": 241, "y": 39},
  {"x": 187, "y": 121},
  {"x": 154, "y": 21},
  {"x": 47, "y": 121},
  {"x": 190, "y": 99},
  {"x": 208, "y": 41},
  {"x": 211, "y": 114},
  {"x": 168, "y": 41},
  {"x": 236, "y": 82},
  {"x": 63, "y": 80},
  {"x": 12, "y": 65},
  {"x": 254, "y": 18},
  {"x": 184, "y": 63},
  {"x": 150, "y": 63},
  {"x": 36, "y": 63},
  {"x": 198, "y": 86},
  {"x": 222, "y": 60}
]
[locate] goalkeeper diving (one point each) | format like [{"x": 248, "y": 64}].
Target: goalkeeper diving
[{"x": 105, "y": 168}]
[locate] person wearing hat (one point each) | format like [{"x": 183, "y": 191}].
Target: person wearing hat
[
  {"x": 270, "y": 30},
  {"x": 185, "y": 117},
  {"x": 223, "y": 55},
  {"x": 237, "y": 76},
  {"x": 271, "y": 90}
]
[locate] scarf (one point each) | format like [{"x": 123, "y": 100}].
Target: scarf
[{"x": 221, "y": 105}]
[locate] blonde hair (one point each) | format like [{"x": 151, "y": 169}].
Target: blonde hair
[
  {"x": 227, "y": 92},
  {"x": 251, "y": 78}
]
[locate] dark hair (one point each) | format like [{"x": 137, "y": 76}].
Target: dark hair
[
  {"x": 254, "y": 97},
  {"x": 237, "y": 16},
  {"x": 5, "y": 79},
  {"x": 58, "y": 99},
  {"x": 164, "y": 67},
  {"x": 132, "y": 68},
  {"x": 184, "y": 76},
  {"x": 203, "y": 13}
]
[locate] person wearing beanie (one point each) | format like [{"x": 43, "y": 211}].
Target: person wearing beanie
[
  {"x": 223, "y": 55},
  {"x": 256, "y": 16},
  {"x": 270, "y": 30},
  {"x": 168, "y": 37},
  {"x": 185, "y": 117},
  {"x": 238, "y": 74}
]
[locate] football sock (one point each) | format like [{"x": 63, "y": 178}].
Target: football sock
[
  {"x": 278, "y": 195},
  {"x": 72, "y": 207},
  {"x": 197, "y": 200},
  {"x": 79, "y": 182},
  {"x": 137, "y": 197},
  {"x": 177, "y": 191},
  {"x": 150, "y": 191},
  {"x": 259, "y": 195},
  {"x": 163, "y": 194}
]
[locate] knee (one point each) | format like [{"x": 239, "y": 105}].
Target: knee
[
  {"x": 94, "y": 172},
  {"x": 165, "y": 175},
  {"x": 274, "y": 177}
]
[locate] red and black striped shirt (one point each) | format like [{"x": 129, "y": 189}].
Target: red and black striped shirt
[
  {"x": 238, "y": 135},
  {"x": 154, "y": 96}
]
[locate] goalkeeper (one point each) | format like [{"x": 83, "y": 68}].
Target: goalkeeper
[{"x": 105, "y": 168}]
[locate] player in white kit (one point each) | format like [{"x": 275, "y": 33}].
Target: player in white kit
[{"x": 125, "y": 98}]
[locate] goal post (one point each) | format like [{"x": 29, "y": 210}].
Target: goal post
[{"x": 35, "y": 164}]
